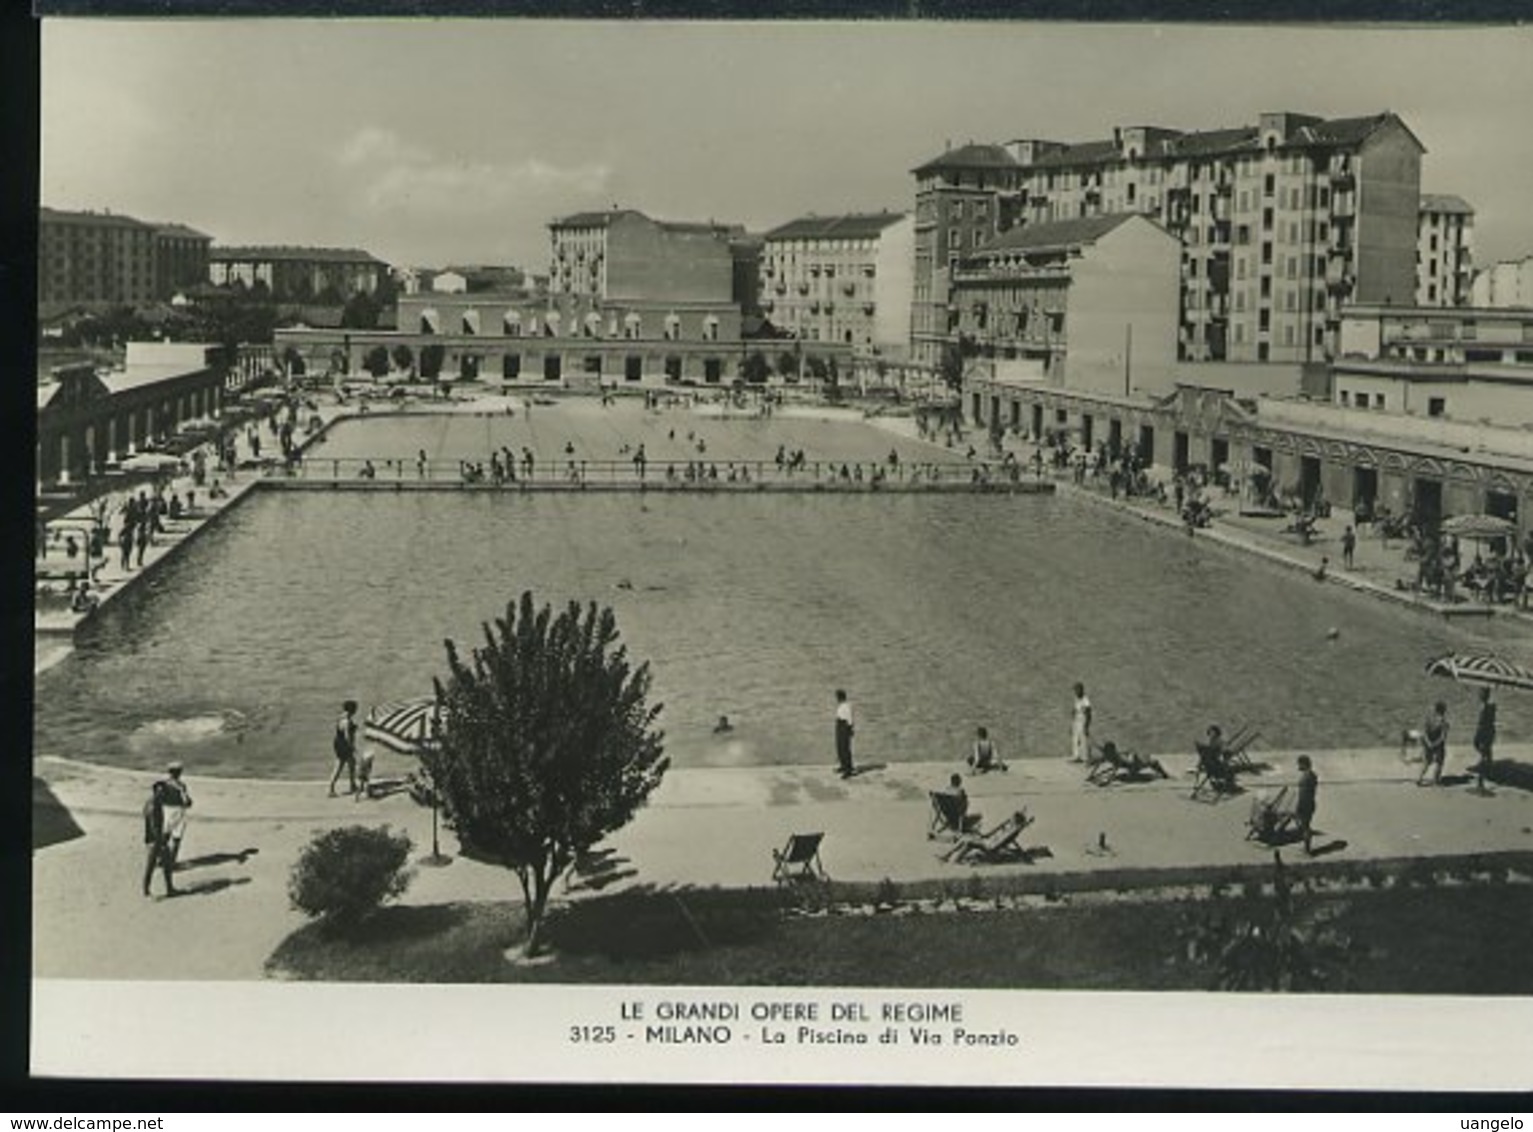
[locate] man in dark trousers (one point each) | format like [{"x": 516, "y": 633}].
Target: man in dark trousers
[
  {"x": 1304, "y": 808},
  {"x": 1484, "y": 736},
  {"x": 844, "y": 731}
]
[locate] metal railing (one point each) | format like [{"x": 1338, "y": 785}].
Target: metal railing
[{"x": 697, "y": 474}]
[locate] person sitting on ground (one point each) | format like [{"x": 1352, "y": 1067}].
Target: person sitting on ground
[
  {"x": 982, "y": 758},
  {"x": 723, "y": 725},
  {"x": 82, "y": 600}
]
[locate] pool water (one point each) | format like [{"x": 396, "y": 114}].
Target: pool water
[{"x": 936, "y": 613}]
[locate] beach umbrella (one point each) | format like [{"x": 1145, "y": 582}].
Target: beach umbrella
[
  {"x": 404, "y": 725},
  {"x": 1479, "y": 527},
  {"x": 1481, "y": 668},
  {"x": 409, "y": 726}
]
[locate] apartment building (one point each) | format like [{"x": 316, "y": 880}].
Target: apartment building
[
  {"x": 623, "y": 254},
  {"x": 1281, "y": 222},
  {"x": 844, "y": 279},
  {"x": 94, "y": 257},
  {"x": 297, "y": 274},
  {"x": 1505, "y": 284},
  {"x": 1088, "y": 304},
  {"x": 1444, "y": 251}
]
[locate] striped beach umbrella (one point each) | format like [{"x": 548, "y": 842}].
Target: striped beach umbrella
[
  {"x": 1481, "y": 668},
  {"x": 404, "y": 725},
  {"x": 1482, "y": 528}
]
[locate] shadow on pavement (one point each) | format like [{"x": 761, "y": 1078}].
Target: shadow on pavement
[
  {"x": 51, "y": 821},
  {"x": 208, "y": 859},
  {"x": 208, "y": 887},
  {"x": 1510, "y": 772}
]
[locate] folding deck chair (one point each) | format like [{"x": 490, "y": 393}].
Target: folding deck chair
[
  {"x": 1271, "y": 819},
  {"x": 1213, "y": 775},
  {"x": 799, "y": 859},
  {"x": 950, "y": 816},
  {"x": 1237, "y": 749},
  {"x": 992, "y": 848}
]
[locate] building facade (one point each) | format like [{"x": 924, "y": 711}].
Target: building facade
[
  {"x": 1087, "y": 304},
  {"x": 844, "y": 279},
  {"x": 622, "y": 254},
  {"x": 88, "y": 420},
  {"x": 1281, "y": 222},
  {"x": 180, "y": 258},
  {"x": 1505, "y": 284},
  {"x": 94, "y": 257},
  {"x": 294, "y": 274},
  {"x": 1444, "y": 252}
]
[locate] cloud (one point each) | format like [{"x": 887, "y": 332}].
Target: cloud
[{"x": 399, "y": 177}]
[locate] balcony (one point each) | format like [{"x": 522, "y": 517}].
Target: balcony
[
  {"x": 1342, "y": 179},
  {"x": 867, "y": 308}
]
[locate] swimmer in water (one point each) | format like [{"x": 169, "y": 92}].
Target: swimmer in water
[
  {"x": 723, "y": 725},
  {"x": 624, "y": 584}
]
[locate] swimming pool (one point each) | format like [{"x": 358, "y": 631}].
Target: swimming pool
[{"x": 936, "y": 613}]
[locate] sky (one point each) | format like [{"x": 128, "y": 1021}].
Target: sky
[{"x": 434, "y": 142}]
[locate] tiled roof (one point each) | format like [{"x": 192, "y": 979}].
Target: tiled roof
[
  {"x": 286, "y": 253},
  {"x": 1081, "y": 153},
  {"x": 975, "y": 155},
  {"x": 180, "y": 230},
  {"x": 851, "y": 226},
  {"x": 1057, "y": 234},
  {"x": 58, "y": 216},
  {"x": 1208, "y": 143},
  {"x": 1439, "y": 202},
  {"x": 594, "y": 219}
]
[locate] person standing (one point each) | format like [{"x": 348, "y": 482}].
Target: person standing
[
  {"x": 1304, "y": 808},
  {"x": 1348, "y": 546},
  {"x": 344, "y": 742},
  {"x": 164, "y": 826},
  {"x": 1434, "y": 744},
  {"x": 1080, "y": 726},
  {"x": 844, "y": 732},
  {"x": 1484, "y": 736}
]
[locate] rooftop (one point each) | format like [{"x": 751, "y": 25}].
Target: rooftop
[
  {"x": 58, "y": 216},
  {"x": 1443, "y": 202},
  {"x": 974, "y": 155},
  {"x": 850, "y": 226},
  {"x": 285, "y": 252},
  {"x": 1058, "y": 234},
  {"x": 180, "y": 230}
]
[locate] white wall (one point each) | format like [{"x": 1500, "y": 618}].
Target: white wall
[
  {"x": 894, "y": 265},
  {"x": 1128, "y": 280}
]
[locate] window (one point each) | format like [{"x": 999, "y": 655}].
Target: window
[
  {"x": 1378, "y": 401},
  {"x": 1436, "y": 406},
  {"x": 1346, "y": 399},
  {"x": 1266, "y": 286},
  {"x": 1362, "y": 400}
]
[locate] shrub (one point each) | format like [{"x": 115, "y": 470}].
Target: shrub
[{"x": 344, "y": 874}]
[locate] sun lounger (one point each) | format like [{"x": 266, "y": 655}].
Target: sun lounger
[
  {"x": 1106, "y": 764},
  {"x": 995, "y": 847},
  {"x": 799, "y": 859},
  {"x": 950, "y": 815},
  {"x": 1271, "y": 818},
  {"x": 1237, "y": 749}
]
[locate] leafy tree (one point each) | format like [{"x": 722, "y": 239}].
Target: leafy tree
[
  {"x": 816, "y": 366},
  {"x": 360, "y": 312},
  {"x": 377, "y": 361},
  {"x": 546, "y": 743},
  {"x": 403, "y": 357},
  {"x": 951, "y": 366},
  {"x": 433, "y": 354},
  {"x": 755, "y": 369},
  {"x": 787, "y": 363}
]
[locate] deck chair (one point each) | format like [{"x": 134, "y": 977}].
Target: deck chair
[
  {"x": 1106, "y": 764},
  {"x": 799, "y": 859},
  {"x": 995, "y": 847},
  {"x": 1237, "y": 749},
  {"x": 950, "y": 816},
  {"x": 1271, "y": 818},
  {"x": 1213, "y": 775}
]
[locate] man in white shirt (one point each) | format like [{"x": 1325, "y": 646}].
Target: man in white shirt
[
  {"x": 844, "y": 731},
  {"x": 1080, "y": 726}
]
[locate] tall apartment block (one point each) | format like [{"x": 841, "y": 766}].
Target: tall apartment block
[
  {"x": 1280, "y": 223},
  {"x": 841, "y": 279},
  {"x": 622, "y": 254},
  {"x": 104, "y": 257},
  {"x": 1444, "y": 251}
]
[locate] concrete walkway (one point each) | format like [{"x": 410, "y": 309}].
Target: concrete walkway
[{"x": 703, "y": 828}]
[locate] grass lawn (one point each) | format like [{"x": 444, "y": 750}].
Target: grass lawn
[{"x": 1460, "y": 940}]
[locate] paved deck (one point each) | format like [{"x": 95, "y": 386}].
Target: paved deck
[{"x": 709, "y": 827}]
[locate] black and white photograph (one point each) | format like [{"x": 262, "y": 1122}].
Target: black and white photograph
[{"x": 785, "y": 552}]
